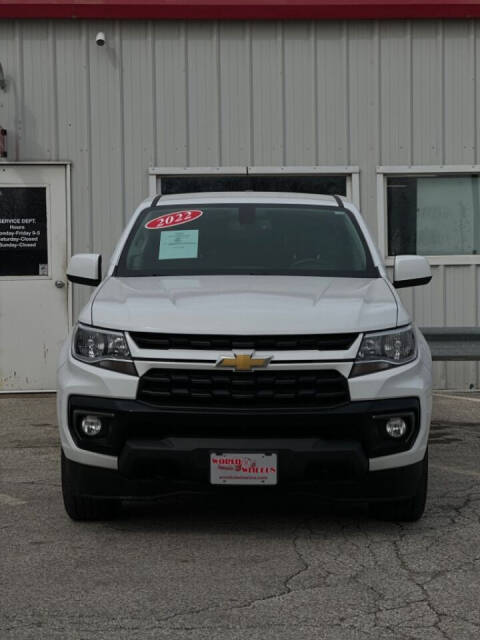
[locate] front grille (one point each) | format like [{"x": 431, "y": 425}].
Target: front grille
[
  {"x": 321, "y": 342},
  {"x": 247, "y": 389}
]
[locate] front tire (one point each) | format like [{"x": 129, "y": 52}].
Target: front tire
[
  {"x": 409, "y": 510},
  {"x": 82, "y": 508}
]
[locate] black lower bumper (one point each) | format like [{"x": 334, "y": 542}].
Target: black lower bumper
[
  {"x": 390, "y": 484},
  {"x": 162, "y": 450}
]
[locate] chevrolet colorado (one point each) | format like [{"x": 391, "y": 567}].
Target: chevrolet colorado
[{"x": 245, "y": 341}]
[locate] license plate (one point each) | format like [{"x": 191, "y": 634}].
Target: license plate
[{"x": 243, "y": 468}]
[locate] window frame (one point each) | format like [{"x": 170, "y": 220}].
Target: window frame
[
  {"x": 352, "y": 174},
  {"x": 417, "y": 171}
]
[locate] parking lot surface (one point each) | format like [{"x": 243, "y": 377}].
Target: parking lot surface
[{"x": 206, "y": 567}]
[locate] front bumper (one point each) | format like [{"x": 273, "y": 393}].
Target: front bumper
[
  {"x": 157, "y": 448},
  {"x": 316, "y": 439},
  {"x": 389, "y": 484}
]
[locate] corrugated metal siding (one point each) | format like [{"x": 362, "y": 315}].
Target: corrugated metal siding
[{"x": 236, "y": 94}]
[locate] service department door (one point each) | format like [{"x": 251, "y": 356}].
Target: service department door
[{"x": 33, "y": 291}]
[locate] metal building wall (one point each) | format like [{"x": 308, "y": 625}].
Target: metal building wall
[{"x": 232, "y": 94}]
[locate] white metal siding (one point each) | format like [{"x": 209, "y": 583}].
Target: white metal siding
[{"x": 236, "y": 94}]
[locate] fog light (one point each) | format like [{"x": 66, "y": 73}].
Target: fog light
[
  {"x": 396, "y": 427},
  {"x": 91, "y": 425}
]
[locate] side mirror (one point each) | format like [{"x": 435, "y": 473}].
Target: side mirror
[
  {"x": 410, "y": 271},
  {"x": 85, "y": 268}
]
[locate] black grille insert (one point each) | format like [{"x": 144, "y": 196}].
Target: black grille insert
[
  {"x": 255, "y": 389},
  {"x": 321, "y": 342}
]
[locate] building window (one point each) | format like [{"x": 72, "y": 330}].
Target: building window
[
  {"x": 436, "y": 215},
  {"x": 328, "y": 184},
  {"x": 23, "y": 231},
  {"x": 342, "y": 181}
]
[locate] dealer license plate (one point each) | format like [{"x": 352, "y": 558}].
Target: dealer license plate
[{"x": 243, "y": 468}]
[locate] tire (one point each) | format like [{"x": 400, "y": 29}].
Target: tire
[
  {"x": 409, "y": 510},
  {"x": 81, "y": 508}
]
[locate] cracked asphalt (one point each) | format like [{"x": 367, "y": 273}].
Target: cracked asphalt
[{"x": 202, "y": 567}]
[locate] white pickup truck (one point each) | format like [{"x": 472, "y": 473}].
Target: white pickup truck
[{"x": 245, "y": 342}]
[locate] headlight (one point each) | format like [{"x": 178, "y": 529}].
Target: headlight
[
  {"x": 383, "y": 350},
  {"x": 106, "y": 349}
]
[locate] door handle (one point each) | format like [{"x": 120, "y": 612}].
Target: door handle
[{"x": 59, "y": 284}]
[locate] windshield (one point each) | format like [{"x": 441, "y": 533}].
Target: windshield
[{"x": 246, "y": 239}]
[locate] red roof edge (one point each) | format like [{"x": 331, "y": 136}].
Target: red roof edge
[{"x": 239, "y": 9}]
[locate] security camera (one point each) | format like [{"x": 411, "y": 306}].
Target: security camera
[{"x": 100, "y": 38}]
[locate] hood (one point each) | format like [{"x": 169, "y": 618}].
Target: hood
[{"x": 243, "y": 305}]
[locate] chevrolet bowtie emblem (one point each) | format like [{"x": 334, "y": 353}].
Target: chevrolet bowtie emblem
[{"x": 243, "y": 362}]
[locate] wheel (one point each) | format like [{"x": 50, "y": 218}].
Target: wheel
[
  {"x": 409, "y": 510},
  {"x": 84, "y": 507}
]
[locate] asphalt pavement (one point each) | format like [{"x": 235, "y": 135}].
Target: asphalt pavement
[{"x": 202, "y": 567}]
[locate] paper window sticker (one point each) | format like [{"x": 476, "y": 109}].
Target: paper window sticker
[{"x": 178, "y": 245}]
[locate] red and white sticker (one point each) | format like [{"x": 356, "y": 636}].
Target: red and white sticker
[
  {"x": 173, "y": 219},
  {"x": 243, "y": 468}
]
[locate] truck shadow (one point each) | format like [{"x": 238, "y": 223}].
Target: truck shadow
[{"x": 239, "y": 512}]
